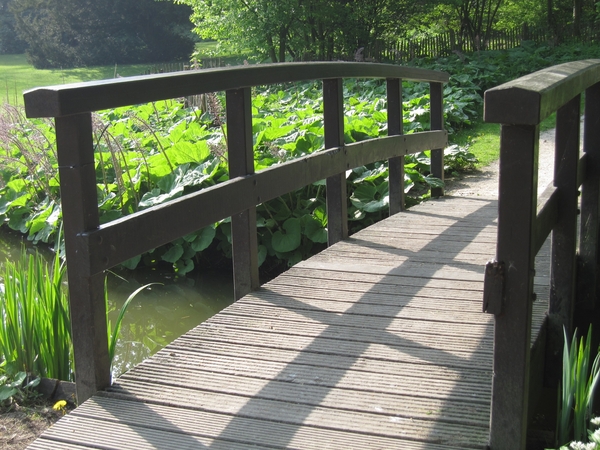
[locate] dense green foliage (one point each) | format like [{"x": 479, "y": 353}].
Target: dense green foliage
[
  {"x": 153, "y": 153},
  {"x": 298, "y": 29},
  {"x": 74, "y": 33},
  {"x": 326, "y": 29}
]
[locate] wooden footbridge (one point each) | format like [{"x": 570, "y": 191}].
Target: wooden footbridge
[{"x": 378, "y": 342}]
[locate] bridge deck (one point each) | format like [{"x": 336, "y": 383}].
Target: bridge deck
[{"x": 378, "y": 342}]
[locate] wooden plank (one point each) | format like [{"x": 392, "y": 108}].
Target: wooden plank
[
  {"x": 450, "y": 410},
  {"x": 401, "y": 350},
  {"x": 240, "y": 430},
  {"x": 261, "y": 351}
]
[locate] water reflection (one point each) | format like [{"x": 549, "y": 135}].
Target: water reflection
[
  {"x": 161, "y": 313},
  {"x": 158, "y": 314}
]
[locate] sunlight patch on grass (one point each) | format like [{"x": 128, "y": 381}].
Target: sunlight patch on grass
[
  {"x": 17, "y": 75},
  {"x": 483, "y": 140}
]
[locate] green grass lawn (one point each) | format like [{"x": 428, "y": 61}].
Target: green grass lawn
[
  {"x": 483, "y": 140},
  {"x": 17, "y": 75}
]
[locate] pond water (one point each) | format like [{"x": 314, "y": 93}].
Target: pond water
[{"x": 158, "y": 314}]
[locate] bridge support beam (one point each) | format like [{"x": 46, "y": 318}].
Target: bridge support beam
[
  {"x": 517, "y": 206},
  {"x": 337, "y": 208},
  {"x": 80, "y": 214},
  {"x": 589, "y": 254},
  {"x": 395, "y": 128},
  {"x": 241, "y": 162}
]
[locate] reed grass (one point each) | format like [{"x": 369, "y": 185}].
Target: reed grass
[
  {"x": 576, "y": 395},
  {"x": 35, "y": 330},
  {"x": 35, "y": 325}
]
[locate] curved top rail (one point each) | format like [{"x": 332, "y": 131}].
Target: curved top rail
[
  {"x": 530, "y": 99},
  {"x": 57, "y": 101}
]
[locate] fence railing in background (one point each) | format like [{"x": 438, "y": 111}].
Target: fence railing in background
[
  {"x": 524, "y": 223},
  {"x": 92, "y": 248},
  {"x": 445, "y": 44}
]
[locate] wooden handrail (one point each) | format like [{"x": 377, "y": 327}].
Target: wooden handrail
[
  {"x": 92, "y": 248},
  {"x": 139, "y": 232},
  {"x": 525, "y": 221},
  {"x": 530, "y": 99},
  {"x": 63, "y": 100}
]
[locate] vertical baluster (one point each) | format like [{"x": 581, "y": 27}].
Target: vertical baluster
[
  {"x": 241, "y": 162},
  {"x": 437, "y": 123},
  {"x": 396, "y": 164},
  {"x": 80, "y": 214},
  {"x": 517, "y": 207},
  {"x": 564, "y": 235},
  {"x": 590, "y": 201},
  {"x": 333, "y": 109}
]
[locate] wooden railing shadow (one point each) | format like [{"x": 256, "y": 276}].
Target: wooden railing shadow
[
  {"x": 92, "y": 248},
  {"x": 525, "y": 221}
]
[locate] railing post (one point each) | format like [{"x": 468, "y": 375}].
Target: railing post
[
  {"x": 517, "y": 207},
  {"x": 437, "y": 123},
  {"x": 337, "y": 208},
  {"x": 589, "y": 254},
  {"x": 396, "y": 165},
  {"x": 564, "y": 236},
  {"x": 241, "y": 162},
  {"x": 80, "y": 214}
]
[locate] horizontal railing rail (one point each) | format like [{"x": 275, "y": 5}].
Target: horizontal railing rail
[
  {"x": 525, "y": 221},
  {"x": 63, "y": 100},
  {"x": 91, "y": 248}
]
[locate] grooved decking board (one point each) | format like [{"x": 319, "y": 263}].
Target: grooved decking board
[{"x": 378, "y": 342}]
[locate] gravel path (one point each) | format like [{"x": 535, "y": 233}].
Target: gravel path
[{"x": 484, "y": 183}]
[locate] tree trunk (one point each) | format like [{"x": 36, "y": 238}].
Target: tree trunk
[{"x": 577, "y": 4}]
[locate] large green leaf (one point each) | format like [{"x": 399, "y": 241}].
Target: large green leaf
[
  {"x": 185, "y": 152},
  {"x": 289, "y": 239},
  {"x": 204, "y": 238},
  {"x": 173, "y": 254}
]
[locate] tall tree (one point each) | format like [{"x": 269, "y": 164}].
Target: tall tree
[
  {"x": 476, "y": 18},
  {"x": 10, "y": 43},
  {"x": 69, "y": 33},
  {"x": 297, "y": 29}
]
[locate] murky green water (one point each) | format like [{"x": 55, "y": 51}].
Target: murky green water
[{"x": 158, "y": 314}]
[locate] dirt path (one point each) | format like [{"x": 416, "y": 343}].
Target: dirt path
[{"x": 485, "y": 182}]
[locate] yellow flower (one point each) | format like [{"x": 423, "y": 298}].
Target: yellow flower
[{"x": 60, "y": 406}]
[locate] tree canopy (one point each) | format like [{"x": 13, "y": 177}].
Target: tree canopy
[
  {"x": 328, "y": 29},
  {"x": 298, "y": 29},
  {"x": 71, "y": 33}
]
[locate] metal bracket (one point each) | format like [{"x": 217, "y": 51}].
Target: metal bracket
[{"x": 493, "y": 287}]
